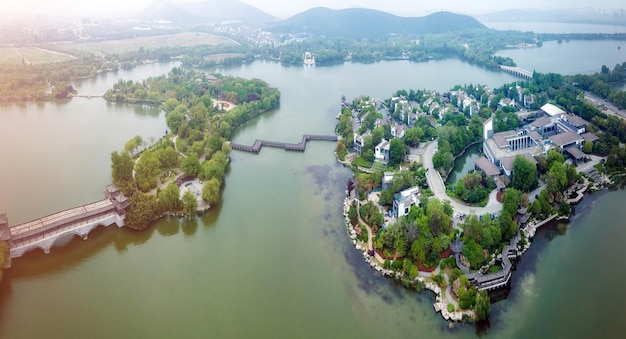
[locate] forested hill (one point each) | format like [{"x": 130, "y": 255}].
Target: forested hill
[{"x": 368, "y": 23}]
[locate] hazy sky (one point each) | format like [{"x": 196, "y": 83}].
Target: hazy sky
[{"x": 286, "y": 8}]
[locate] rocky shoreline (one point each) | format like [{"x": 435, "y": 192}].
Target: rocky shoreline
[{"x": 440, "y": 304}]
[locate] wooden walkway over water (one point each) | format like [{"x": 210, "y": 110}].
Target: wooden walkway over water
[{"x": 299, "y": 147}]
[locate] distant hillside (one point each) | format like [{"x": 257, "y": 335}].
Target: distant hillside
[
  {"x": 361, "y": 23},
  {"x": 207, "y": 11},
  {"x": 564, "y": 15}
]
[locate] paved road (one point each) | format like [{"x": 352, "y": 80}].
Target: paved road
[
  {"x": 436, "y": 184},
  {"x": 611, "y": 109}
]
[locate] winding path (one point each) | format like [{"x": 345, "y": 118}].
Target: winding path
[{"x": 436, "y": 184}]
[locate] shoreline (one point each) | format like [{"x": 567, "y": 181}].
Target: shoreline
[{"x": 440, "y": 305}]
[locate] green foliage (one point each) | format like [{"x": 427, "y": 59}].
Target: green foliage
[
  {"x": 371, "y": 214},
  {"x": 122, "y": 168},
  {"x": 146, "y": 170},
  {"x": 524, "y": 174},
  {"x": 474, "y": 187},
  {"x": 4, "y": 253},
  {"x": 474, "y": 253},
  {"x": 190, "y": 204},
  {"x": 143, "y": 209},
  {"x": 132, "y": 145},
  {"x": 169, "y": 198},
  {"x": 483, "y": 305},
  {"x": 352, "y": 215},
  {"x": 450, "y": 307},
  {"x": 397, "y": 151},
  {"x": 467, "y": 294},
  {"x": 211, "y": 191},
  {"x": 191, "y": 166}
]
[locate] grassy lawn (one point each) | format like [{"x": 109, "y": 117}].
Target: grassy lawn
[
  {"x": 152, "y": 42},
  {"x": 495, "y": 268},
  {"x": 31, "y": 55}
]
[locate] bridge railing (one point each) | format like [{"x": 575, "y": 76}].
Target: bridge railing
[{"x": 61, "y": 229}]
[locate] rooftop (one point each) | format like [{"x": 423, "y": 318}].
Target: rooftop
[
  {"x": 576, "y": 120},
  {"x": 590, "y": 137},
  {"x": 541, "y": 122},
  {"x": 575, "y": 152},
  {"x": 507, "y": 163},
  {"x": 552, "y": 110},
  {"x": 564, "y": 139},
  {"x": 501, "y": 153},
  {"x": 487, "y": 166},
  {"x": 500, "y": 138}
]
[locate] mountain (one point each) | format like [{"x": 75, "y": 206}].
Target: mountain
[
  {"x": 186, "y": 13},
  {"x": 562, "y": 15},
  {"x": 369, "y": 23}
]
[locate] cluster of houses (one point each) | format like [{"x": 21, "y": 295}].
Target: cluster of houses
[
  {"x": 407, "y": 114},
  {"x": 553, "y": 129}
]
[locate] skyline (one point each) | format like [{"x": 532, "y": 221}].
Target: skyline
[{"x": 284, "y": 9}]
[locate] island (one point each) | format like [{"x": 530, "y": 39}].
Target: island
[
  {"x": 181, "y": 174},
  {"x": 542, "y": 145}
]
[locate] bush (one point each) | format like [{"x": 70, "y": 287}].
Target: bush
[
  {"x": 397, "y": 265},
  {"x": 361, "y": 162},
  {"x": 450, "y": 307},
  {"x": 439, "y": 280},
  {"x": 387, "y": 264}
]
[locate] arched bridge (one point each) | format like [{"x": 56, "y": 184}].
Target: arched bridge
[
  {"x": 516, "y": 71},
  {"x": 42, "y": 233}
]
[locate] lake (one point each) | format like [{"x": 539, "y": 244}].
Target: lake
[{"x": 273, "y": 259}]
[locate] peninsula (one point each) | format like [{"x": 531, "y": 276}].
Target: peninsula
[{"x": 542, "y": 150}]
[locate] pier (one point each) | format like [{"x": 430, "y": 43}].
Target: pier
[{"x": 299, "y": 147}]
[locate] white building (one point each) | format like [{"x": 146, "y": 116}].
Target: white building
[
  {"x": 403, "y": 201},
  {"x": 381, "y": 152}
]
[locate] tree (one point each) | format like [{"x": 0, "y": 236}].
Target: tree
[
  {"x": 4, "y": 253},
  {"x": 142, "y": 210},
  {"x": 168, "y": 157},
  {"x": 212, "y": 169},
  {"x": 211, "y": 191},
  {"x": 133, "y": 144},
  {"x": 121, "y": 168},
  {"x": 174, "y": 120},
  {"x": 169, "y": 198},
  {"x": 190, "y": 204},
  {"x": 588, "y": 147},
  {"x": 147, "y": 168},
  {"x": 557, "y": 178},
  {"x": 191, "y": 165},
  {"x": 474, "y": 253},
  {"x": 438, "y": 221},
  {"x": 524, "y": 174},
  {"x": 483, "y": 305},
  {"x": 397, "y": 150}
]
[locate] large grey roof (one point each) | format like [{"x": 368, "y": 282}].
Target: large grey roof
[
  {"x": 563, "y": 139},
  {"x": 486, "y": 166}
]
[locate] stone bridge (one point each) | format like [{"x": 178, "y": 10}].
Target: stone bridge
[
  {"x": 44, "y": 232},
  {"x": 516, "y": 71}
]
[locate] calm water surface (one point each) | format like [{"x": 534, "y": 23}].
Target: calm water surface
[{"x": 272, "y": 260}]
